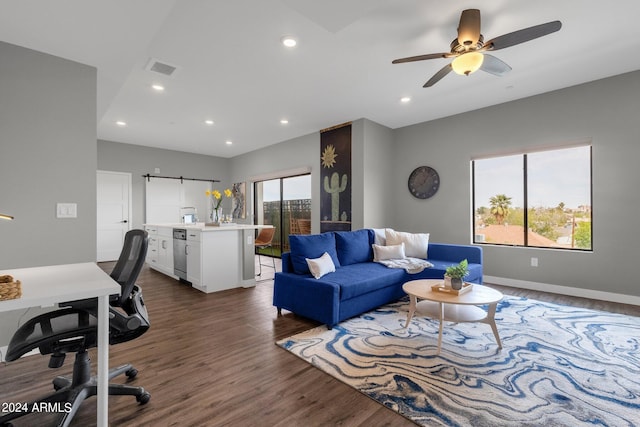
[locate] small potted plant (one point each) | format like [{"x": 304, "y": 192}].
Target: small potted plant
[{"x": 456, "y": 273}]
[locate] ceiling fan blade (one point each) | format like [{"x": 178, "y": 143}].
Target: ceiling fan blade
[
  {"x": 469, "y": 27},
  {"x": 521, "y": 36},
  {"x": 495, "y": 66},
  {"x": 422, "y": 57},
  {"x": 438, "y": 76}
]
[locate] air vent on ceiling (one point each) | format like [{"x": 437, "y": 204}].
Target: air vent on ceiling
[{"x": 161, "y": 67}]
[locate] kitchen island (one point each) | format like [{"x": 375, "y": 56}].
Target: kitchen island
[{"x": 217, "y": 257}]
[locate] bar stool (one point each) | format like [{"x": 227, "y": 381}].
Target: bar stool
[{"x": 263, "y": 241}]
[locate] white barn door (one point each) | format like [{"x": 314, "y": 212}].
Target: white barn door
[{"x": 113, "y": 214}]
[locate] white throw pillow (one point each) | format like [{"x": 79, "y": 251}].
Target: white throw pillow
[
  {"x": 415, "y": 245},
  {"x": 379, "y": 236},
  {"x": 381, "y": 253},
  {"x": 321, "y": 266}
]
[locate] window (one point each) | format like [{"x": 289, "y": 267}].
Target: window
[
  {"x": 538, "y": 199},
  {"x": 284, "y": 203}
]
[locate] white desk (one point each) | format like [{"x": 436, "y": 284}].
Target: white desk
[{"x": 46, "y": 286}]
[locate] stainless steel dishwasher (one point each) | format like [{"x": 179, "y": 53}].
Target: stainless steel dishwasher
[{"x": 180, "y": 253}]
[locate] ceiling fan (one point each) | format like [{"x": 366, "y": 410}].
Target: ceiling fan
[{"x": 468, "y": 49}]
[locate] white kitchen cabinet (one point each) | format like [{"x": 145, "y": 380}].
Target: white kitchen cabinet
[
  {"x": 152, "y": 249},
  {"x": 218, "y": 258},
  {"x": 221, "y": 260},
  {"x": 160, "y": 250},
  {"x": 165, "y": 249},
  {"x": 194, "y": 258}
]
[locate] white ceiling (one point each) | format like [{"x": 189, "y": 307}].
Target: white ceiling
[{"x": 234, "y": 70}]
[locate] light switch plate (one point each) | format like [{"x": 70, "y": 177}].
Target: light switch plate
[{"x": 67, "y": 210}]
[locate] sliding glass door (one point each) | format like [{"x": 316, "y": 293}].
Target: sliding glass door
[{"x": 284, "y": 203}]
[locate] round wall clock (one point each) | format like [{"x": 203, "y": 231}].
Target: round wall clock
[{"x": 423, "y": 182}]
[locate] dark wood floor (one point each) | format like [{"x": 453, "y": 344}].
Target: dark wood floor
[{"x": 210, "y": 360}]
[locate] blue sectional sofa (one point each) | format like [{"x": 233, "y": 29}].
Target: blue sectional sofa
[{"x": 358, "y": 284}]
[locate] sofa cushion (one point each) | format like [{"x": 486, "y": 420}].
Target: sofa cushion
[
  {"x": 358, "y": 279},
  {"x": 381, "y": 253},
  {"x": 415, "y": 244},
  {"x": 321, "y": 266},
  {"x": 311, "y": 246},
  {"x": 354, "y": 246}
]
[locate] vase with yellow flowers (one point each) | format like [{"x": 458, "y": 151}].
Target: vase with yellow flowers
[{"x": 216, "y": 201}]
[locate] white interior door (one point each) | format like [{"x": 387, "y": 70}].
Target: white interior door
[{"x": 114, "y": 213}]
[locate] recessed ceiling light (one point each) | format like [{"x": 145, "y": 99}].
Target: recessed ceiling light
[
  {"x": 284, "y": 121},
  {"x": 289, "y": 41},
  {"x": 208, "y": 122},
  {"x": 158, "y": 88},
  {"x": 405, "y": 99},
  {"x": 228, "y": 142},
  {"x": 121, "y": 123}
]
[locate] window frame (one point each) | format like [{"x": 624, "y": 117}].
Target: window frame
[
  {"x": 282, "y": 239},
  {"x": 525, "y": 195}
]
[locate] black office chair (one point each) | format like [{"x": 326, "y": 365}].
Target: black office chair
[{"x": 73, "y": 329}]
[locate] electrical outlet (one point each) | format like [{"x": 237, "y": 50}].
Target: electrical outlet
[{"x": 534, "y": 262}]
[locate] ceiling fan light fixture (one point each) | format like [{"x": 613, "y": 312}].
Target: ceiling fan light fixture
[{"x": 467, "y": 63}]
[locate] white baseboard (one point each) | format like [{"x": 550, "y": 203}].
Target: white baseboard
[{"x": 564, "y": 290}]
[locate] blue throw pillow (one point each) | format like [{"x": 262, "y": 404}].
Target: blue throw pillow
[
  {"x": 354, "y": 247},
  {"x": 311, "y": 246}
]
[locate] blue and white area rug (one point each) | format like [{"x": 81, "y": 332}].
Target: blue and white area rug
[{"x": 559, "y": 365}]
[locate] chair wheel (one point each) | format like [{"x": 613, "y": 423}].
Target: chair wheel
[
  {"x": 131, "y": 373},
  {"x": 55, "y": 387},
  {"x": 143, "y": 398}
]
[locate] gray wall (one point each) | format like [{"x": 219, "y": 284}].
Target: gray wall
[
  {"x": 371, "y": 154},
  {"x": 47, "y": 156},
  {"x": 139, "y": 160},
  {"x": 605, "y": 110},
  {"x": 296, "y": 154},
  {"x": 377, "y": 189},
  {"x": 384, "y": 158}
]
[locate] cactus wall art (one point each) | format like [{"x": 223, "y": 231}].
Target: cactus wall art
[{"x": 335, "y": 162}]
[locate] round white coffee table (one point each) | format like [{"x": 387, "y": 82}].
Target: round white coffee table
[{"x": 449, "y": 307}]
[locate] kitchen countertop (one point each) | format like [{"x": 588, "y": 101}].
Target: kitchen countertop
[{"x": 206, "y": 228}]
